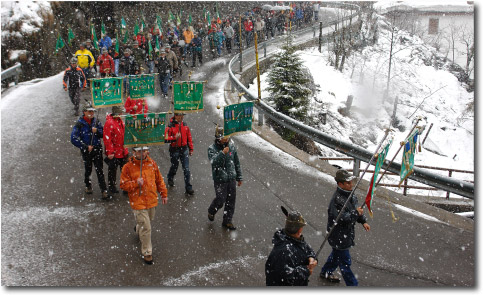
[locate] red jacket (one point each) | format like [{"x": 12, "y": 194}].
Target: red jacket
[
  {"x": 114, "y": 137},
  {"x": 174, "y": 128},
  {"x": 105, "y": 62},
  {"x": 248, "y": 26},
  {"x": 130, "y": 103}
]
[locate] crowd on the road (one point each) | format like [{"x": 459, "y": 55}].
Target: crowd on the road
[{"x": 292, "y": 260}]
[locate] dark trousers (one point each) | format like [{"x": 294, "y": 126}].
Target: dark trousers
[
  {"x": 74, "y": 95},
  {"x": 180, "y": 155},
  {"x": 225, "y": 195},
  {"x": 228, "y": 44},
  {"x": 95, "y": 156},
  {"x": 198, "y": 54},
  {"x": 341, "y": 259},
  {"x": 112, "y": 169}
]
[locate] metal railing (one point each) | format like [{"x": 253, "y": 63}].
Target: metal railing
[
  {"x": 461, "y": 188},
  {"x": 12, "y": 72}
]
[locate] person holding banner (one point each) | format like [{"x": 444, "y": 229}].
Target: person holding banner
[
  {"x": 226, "y": 172},
  {"x": 116, "y": 153},
  {"x": 141, "y": 178},
  {"x": 75, "y": 80},
  {"x": 86, "y": 135},
  {"x": 180, "y": 149},
  {"x": 136, "y": 106},
  {"x": 342, "y": 237}
]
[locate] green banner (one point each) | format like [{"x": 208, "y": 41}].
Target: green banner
[
  {"x": 106, "y": 92},
  {"x": 144, "y": 129},
  {"x": 188, "y": 96},
  {"x": 141, "y": 86},
  {"x": 237, "y": 118},
  {"x": 407, "y": 163}
]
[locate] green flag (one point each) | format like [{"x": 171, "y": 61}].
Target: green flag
[
  {"x": 143, "y": 23},
  {"x": 136, "y": 29},
  {"x": 103, "y": 30},
  {"x": 407, "y": 162},
  {"x": 106, "y": 92},
  {"x": 171, "y": 16},
  {"x": 238, "y": 118},
  {"x": 123, "y": 23},
  {"x": 178, "y": 20},
  {"x": 94, "y": 37},
  {"x": 157, "y": 45},
  {"x": 60, "y": 44},
  {"x": 189, "y": 19},
  {"x": 71, "y": 36},
  {"x": 188, "y": 96},
  {"x": 208, "y": 18}
]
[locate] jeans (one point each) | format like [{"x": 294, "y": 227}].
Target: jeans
[
  {"x": 341, "y": 259},
  {"x": 150, "y": 66},
  {"x": 225, "y": 195},
  {"x": 180, "y": 155},
  {"x": 116, "y": 66},
  {"x": 228, "y": 44},
  {"x": 125, "y": 84},
  {"x": 164, "y": 82},
  {"x": 94, "y": 157}
]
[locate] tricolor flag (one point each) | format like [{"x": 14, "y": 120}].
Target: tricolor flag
[
  {"x": 380, "y": 161},
  {"x": 150, "y": 50},
  {"x": 94, "y": 37},
  {"x": 123, "y": 23},
  {"x": 171, "y": 16},
  {"x": 136, "y": 29},
  {"x": 159, "y": 23},
  {"x": 103, "y": 30}
]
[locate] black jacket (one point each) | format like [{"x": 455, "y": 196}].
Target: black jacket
[
  {"x": 128, "y": 65},
  {"x": 343, "y": 235},
  {"x": 287, "y": 263},
  {"x": 163, "y": 66},
  {"x": 74, "y": 78}
]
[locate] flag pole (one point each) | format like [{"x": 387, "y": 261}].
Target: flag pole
[
  {"x": 400, "y": 147},
  {"x": 352, "y": 192}
]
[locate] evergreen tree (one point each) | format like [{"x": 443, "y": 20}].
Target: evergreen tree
[{"x": 288, "y": 84}]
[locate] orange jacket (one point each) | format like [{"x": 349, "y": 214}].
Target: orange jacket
[{"x": 153, "y": 183}]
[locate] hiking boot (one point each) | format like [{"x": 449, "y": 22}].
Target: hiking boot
[
  {"x": 113, "y": 190},
  {"x": 211, "y": 217},
  {"x": 170, "y": 182},
  {"x": 105, "y": 196},
  {"x": 330, "y": 277},
  {"x": 229, "y": 226},
  {"x": 89, "y": 189},
  {"x": 148, "y": 259},
  {"x": 190, "y": 192}
]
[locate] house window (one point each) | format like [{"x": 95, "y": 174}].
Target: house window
[{"x": 433, "y": 27}]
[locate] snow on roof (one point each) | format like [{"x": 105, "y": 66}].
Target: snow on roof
[{"x": 424, "y": 6}]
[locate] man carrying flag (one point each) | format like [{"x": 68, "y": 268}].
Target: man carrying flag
[
  {"x": 343, "y": 234},
  {"x": 380, "y": 161}
]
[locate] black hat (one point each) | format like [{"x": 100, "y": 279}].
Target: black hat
[
  {"x": 218, "y": 132},
  {"x": 294, "y": 222},
  {"x": 343, "y": 176},
  {"x": 117, "y": 110}
]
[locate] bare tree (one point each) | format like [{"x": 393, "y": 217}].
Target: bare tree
[{"x": 467, "y": 38}]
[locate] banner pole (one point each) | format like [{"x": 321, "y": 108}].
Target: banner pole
[
  {"x": 352, "y": 193},
  {"x": 141, "y": 170}
]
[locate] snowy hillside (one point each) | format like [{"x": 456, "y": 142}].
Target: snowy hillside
[{"x": 423, "y": 90}]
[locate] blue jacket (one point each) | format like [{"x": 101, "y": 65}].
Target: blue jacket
[
  {"x": 105, "y": 42},
  {"x": 227, "y": 167},
  {"x": 82, "y": 135},
  {"x": 196, "y": 42},
  {"x": 342, "y": 237}
]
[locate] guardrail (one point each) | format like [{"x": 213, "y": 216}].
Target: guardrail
[
  {"x": 12, "y": 72},
  {"x": 461, "y": 188}
]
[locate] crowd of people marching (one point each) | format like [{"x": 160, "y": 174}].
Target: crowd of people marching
[{"x": 292, "y": 260}]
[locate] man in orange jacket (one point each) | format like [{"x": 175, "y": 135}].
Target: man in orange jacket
[{"x": 143, "y": 184}]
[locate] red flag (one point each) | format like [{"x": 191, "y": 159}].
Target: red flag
[{"x": 369, "y": 196}]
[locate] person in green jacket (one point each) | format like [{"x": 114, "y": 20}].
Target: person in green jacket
[{"x": 226, "y": 170}]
